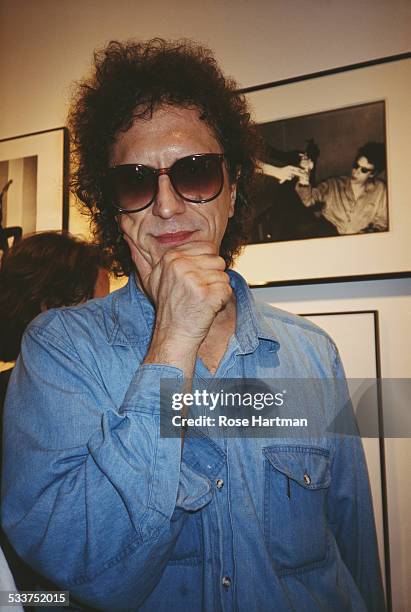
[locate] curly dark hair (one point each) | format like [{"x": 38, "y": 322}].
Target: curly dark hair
[
  {"x": 375, "y": 153},
  {"x": 44, "y": 270},
  {"x": 132, "y": 79}
]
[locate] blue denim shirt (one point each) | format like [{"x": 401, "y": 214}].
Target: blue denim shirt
[{"x": 101, "y": 504}]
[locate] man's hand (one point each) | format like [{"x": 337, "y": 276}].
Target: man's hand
[
  {"x": 188, "y": 287},
  {"x": 283, "y": 173}
]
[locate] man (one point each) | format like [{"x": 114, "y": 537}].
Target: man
[
  {"x": 94, "y": 497},
  {"x": 351, "y": 204}
]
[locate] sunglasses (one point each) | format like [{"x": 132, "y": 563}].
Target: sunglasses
[
  {"x": 196, "y": 178},
  {"x": 363, "y": 169}
]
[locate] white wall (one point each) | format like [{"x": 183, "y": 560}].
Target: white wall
[{"x": 46, "y": 44}]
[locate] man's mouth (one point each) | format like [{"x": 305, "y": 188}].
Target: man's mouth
[{"x": 174, "y": 237}]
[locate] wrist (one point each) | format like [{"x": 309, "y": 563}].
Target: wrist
[{"x": 174, "y": 349}]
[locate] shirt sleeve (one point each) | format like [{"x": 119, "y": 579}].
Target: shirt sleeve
[
  {"x": 311, "y": 195},
  {"x": 380, "y": 221},
  {"x": 93, "y": 497},
  {"x": 350, "y": 507}
]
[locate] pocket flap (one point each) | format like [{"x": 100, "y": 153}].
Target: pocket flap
[{"x": 307, "y": 465}]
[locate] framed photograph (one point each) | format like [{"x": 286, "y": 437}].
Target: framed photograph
[
  {"x": 356, "y": 333},
  {"x": 333, "y": 193},
  {"x": 33, "y": 184}
]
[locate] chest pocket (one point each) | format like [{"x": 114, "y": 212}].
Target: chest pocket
[{"x": 296, "y": 480}]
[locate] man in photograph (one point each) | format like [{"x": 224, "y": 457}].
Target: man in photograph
[
  {"x": 350, "y": 204},
  {"x": 94, "y": 497}
]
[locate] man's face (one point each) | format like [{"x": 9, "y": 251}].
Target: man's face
[
  {"x": 171, "y": 133},
  {"x": 362, "y": 171}
]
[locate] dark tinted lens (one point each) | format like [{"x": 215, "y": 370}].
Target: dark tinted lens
[
  {"x": 363, "y": 170},
  {"x": 199, "y": 178},
  {"x": 131, "y": 187}
]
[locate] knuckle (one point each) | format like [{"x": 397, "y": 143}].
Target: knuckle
[
  {"x": 228, "y": 290},
  {"x": 179, "y": 265},
  {"x": 191, "y": 277}
]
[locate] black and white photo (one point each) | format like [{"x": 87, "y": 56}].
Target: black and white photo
[
  {"x": 323, "y": 175},
  {"x": 332, "y": 200}
]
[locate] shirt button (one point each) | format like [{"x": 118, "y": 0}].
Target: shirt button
[
  {"x": 307, "y": 479},
  {"x": 226, "y": 582},
  {"x": 219, "y": 484}
]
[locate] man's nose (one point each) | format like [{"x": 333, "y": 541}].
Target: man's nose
[{"x": 167, "y": 202}]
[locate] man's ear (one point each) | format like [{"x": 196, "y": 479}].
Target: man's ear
[{"x": 233, "y": 194}]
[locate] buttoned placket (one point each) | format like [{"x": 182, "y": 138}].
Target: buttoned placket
[
  {"x": 224, "y": 567},
  {"x": 218, "y": 523}
]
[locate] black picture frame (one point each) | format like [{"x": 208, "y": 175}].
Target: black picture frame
[
  {"x": 36, "y": 168},
  {"x": 374, "y": 357},
  {"x": 354, "y": 257}
]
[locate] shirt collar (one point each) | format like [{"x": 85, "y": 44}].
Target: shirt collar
[
  {"x": 251, "y": 324},
  {"x": 132, "y": 316},
  {"x": 370, "y": 185}
]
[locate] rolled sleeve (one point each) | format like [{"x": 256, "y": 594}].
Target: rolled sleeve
[{"x": 89, "y": 488}]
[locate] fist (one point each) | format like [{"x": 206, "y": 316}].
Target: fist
[{"x": 188, "y": 287}]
